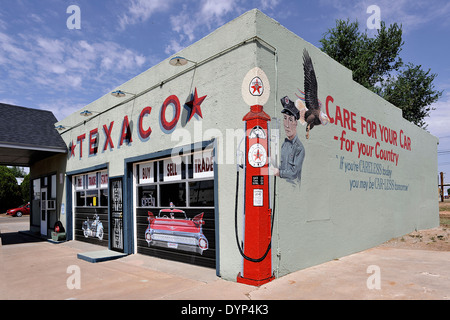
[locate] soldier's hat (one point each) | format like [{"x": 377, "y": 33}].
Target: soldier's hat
[{"x": 289, "y": 107}]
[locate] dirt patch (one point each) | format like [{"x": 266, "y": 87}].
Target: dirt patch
[
  {"x": 444, "y": 214},
  {"x": 437, "y": 239}
]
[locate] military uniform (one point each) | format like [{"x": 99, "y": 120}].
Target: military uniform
[{"x": 292, "y": 151}]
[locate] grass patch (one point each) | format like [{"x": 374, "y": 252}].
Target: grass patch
[
  {"x": 444, "y": 206},
  {"x": 444, "y": 221}
]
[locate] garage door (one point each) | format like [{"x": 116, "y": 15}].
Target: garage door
[
  {"x": 91, "y": 207},
  {"x": 175, "y": 210}
]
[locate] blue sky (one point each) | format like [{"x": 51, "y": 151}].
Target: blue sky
[{"x": 45, "y": 65}]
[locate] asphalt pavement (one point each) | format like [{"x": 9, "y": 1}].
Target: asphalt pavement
[{"x": 36, "y": 269}]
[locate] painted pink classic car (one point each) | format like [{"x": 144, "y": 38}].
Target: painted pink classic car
[{"x": 172, "y": 229}]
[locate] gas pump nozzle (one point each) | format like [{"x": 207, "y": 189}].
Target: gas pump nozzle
[
  {"x": 274, "y": 142},
  {"x": 240, "y": 156}
]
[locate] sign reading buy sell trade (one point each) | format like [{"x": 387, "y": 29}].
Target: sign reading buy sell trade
[{"x": 144, "y": 132}]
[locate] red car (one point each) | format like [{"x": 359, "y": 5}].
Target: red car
[
  {"x": 18, "y": 212},
  {"x": 172, "y": 229}
]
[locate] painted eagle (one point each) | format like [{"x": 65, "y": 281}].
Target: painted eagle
[{"x": 313, "y": 115}]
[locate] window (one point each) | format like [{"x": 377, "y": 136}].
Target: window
[
  {"x": 182, "y": 181},
  {"x": 37, "y": 189},
  {"x": 201, "y": 193},
  {"x": 53, "y": 191},
  {"x": 173, "y": 193},
  {"x": 91, "y": 190},
  {"x": 147, "y": 195}
]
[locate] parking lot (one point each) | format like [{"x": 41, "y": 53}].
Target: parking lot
[{"x": 31, "y": 268}]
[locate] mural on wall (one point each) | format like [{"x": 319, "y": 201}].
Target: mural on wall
[
  {"x": 189, "y": 237},
  {"x": 311, "y": 115},
  {"x": 255, "y": 245},
  {"x": 93, "y": 228},
  {"x": 116, "y": 214},
  {"x": 172, "y": 229},
  {"x": 376, "y": 160},
  {"x": 292, "y": 150}
]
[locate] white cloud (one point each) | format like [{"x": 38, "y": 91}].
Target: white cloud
[
  {"x": 440, "y": 117},
  {"x": 60, "y": 107},
  {"x": 269, "y": 4},
  {"x": 173, "y": 46},
  {"x": 58, "y": 65},
  {"x": 35, "y": 18},
  {"x": 411, "y": 14},
  {"x": 212, "y": 12},
  {"x": 142, "y": 10},
  {"x": 190, "y": 22}
]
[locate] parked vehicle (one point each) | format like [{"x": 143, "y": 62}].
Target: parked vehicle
[
  {"x": 93, "y": 228},
  {"x": 20, "y": 211},
  {"x": 172, "y": 229}
]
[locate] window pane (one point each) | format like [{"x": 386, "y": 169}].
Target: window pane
[
  {"x": 104, "y": 197},
  {"x": 37, "y": 189},
  {"x": 92, "y": 198},
  {"x": 53, "y": 192},
  {"x": 147, "y": 196},
  {"x": 183, "y": 169},
  {"x": 80, "y": 199},
  {"x": 79, "y": 183},
  {"x": 175, "y": 193},
  {"x": 191, "y": 166},
  {"x": 201, "y": 193},
  {"x": 161, "y": 170}
]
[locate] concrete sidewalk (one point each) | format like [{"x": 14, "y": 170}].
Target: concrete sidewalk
[{"x": 43, "y": 270}]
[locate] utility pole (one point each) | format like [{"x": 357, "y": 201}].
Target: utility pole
[{"x": 442, "y": 187}]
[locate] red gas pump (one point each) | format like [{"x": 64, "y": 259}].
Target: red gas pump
[{"x": 258, "y": 222}]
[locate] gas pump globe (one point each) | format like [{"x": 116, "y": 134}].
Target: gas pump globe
[{"x": 256, "y": 253}]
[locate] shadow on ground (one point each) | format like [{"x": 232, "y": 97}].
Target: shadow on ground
[{"x": 17, "y": 238}]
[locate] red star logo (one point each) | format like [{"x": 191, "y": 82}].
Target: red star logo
[
  {"x": 257, "y": 155},
  {"x": 256, "y": 87},
  {"x": 195, "y": 105},
  {"x": 72, "y": 148}
]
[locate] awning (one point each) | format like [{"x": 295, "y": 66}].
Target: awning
[{"x": 27, "y": 136}]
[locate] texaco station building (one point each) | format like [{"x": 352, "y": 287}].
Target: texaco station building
[{"x": 250, "y": 152}]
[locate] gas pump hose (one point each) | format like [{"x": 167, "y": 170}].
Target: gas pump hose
[{"x": 269, "y": 246}]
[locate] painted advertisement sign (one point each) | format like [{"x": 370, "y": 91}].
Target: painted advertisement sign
[
  {"x": 103, "y": 142},
  {"x": 172, "y": 169},
  {"x": 204, "y": 164},
  {"x": 376, "y": 159}
]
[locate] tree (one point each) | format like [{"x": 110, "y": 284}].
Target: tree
[
  {"x": 370, "y": 59},
  {"x": 10, "y": 195},
  {"x": 18, "y": 172},
  {"x": 413, "y": 91},
  {"x": 377, "y": 65},
  {"x": 25, "y": 188}
]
